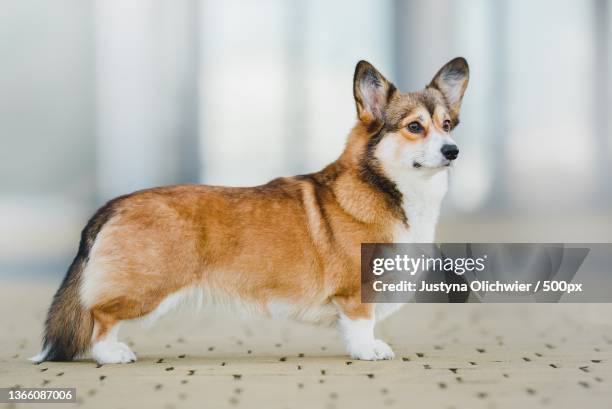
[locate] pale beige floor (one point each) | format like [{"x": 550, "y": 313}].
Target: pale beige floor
[{"x": 448, "y": 356}]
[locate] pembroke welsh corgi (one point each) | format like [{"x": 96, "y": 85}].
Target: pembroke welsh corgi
[{"x": 289, "y": 248}]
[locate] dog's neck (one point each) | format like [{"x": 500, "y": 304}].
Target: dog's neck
[
  {"x": 406, "y": 202},
  {"x": 422, "y": 192}
]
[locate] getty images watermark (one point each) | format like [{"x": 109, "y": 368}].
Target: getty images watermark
[{"x": 485, "y": 272}]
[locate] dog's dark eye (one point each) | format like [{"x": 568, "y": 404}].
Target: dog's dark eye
[
  {"x": 415, "y": 127},
  {"x": 446, "y": 125}
]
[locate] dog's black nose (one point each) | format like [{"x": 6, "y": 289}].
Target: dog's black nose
[{"x": 450, "y": 152}]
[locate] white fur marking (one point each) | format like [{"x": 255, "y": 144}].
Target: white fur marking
[
  {"x": 110, "y": 351},
  {"x": 423, "y": 196},
  {"x": 41, "y": 355},
  {"x": 280, "y": 309},
  {"x": 200, "y": 296},
  {"x": 385, "y": 310},
  {"x": 315, "y": 313},
  {"x": 94, "y": 280},
  {"x": 360, "y": 342},
  {"x": 186, "y": 296}
]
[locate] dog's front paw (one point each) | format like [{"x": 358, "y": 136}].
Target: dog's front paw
[{"x": 371, "y": 351}]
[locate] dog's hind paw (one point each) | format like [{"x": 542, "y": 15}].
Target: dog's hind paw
[{"x": 108, "y": 352}]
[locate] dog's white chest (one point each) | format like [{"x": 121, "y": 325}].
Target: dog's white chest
[
  {"x": 418, "y": 231},
  {"x": 422, "y": 199}
]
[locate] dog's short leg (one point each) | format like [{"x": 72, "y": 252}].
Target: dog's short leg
[
  {"x": 106, "y": 348},
  {"x": 356, "y": 323}
]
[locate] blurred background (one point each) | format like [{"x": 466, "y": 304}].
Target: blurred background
[{"x": 101, "y": 98}]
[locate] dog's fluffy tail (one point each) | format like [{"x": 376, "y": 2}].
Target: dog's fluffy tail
[{"x": 69, "y": 324}]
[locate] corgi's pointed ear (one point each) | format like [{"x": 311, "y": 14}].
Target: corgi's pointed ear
[
  {"x": 451, "y": 81},
  {"x": 372, "y": 93}
]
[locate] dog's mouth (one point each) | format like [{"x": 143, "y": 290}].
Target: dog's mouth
[{"x": 445, "y": 163}]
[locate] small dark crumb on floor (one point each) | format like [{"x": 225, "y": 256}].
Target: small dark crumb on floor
[
  {"x": 323, "y": 372},
  {"x": 349, "y": 362},
  {"x": 405, "y": 359},
  {"x": 526, "y": 359},
  {"x": 453, "y": 370},
  {"x": 182, "y": 356},
  {"x": 191, "y": 372},
  {"x": 583, "y": 384},
  {"x": 420, "y": 354},
  {"x": 170, "y": 368},
  {"x": 282, "y": 359},
  {"x": 158, "y": 386},
  {"x": 301, "y": 355},
  {"x": 160, "y": 360},
  {"x": 237, "y": 377},
  {"x": 481, "y": 395},
  {"x": 442, "y": 385},
  {"x": 481, "y": 350},
  {"x": 102, "y": 377},
  {"x": 530, "y": 391},
  {"x": 370, "y": 375}
]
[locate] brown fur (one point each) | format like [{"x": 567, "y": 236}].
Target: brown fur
[{"x": 294, "y": 238}]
